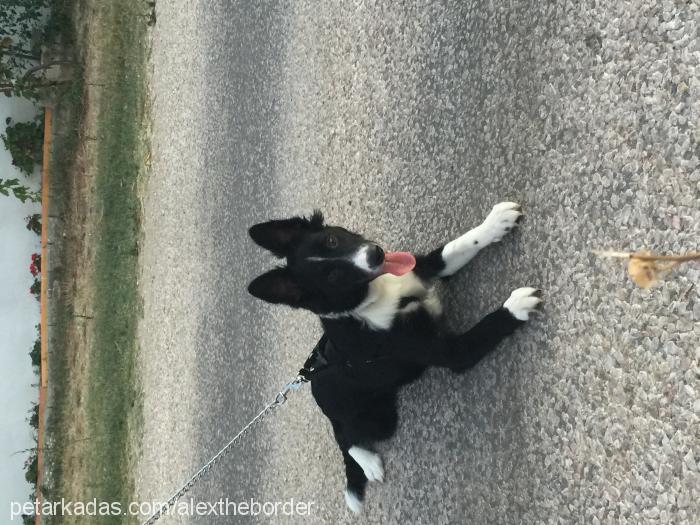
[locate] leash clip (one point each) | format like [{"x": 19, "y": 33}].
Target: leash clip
[{"x": 292, "y": 386}]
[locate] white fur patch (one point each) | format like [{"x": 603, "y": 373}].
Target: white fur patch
[
  {"x": 522, "y": 302},
  {"x": 381, "y": 306},
  {"x": 370, "y": 462},
  {"x": 360, "y": 259},
  {"x": 501, "y": 220},
  {"x": 431, "y": 302},
  {"x": 352, "y": 501}
]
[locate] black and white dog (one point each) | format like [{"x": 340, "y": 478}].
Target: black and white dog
[{"x": 380, "y": 317}]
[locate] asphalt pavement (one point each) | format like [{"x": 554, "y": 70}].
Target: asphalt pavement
[{"x": 407, "y": 122}]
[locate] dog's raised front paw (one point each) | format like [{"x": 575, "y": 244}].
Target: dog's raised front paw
[
  {"x": 522, "y": 302},
  {"x": 503, "y": 218}
]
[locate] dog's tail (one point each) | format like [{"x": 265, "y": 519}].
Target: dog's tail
[{"x": 357, "y": 481}]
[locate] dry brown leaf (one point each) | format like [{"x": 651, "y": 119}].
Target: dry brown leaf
[
  {"x": 645, "y": 268},
  {"x": 644, "y": 273}
]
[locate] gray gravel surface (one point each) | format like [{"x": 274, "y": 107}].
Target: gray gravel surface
[{"x": 408, "y": 122}]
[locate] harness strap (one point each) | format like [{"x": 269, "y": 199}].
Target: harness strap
[{"x": 318, "y": 363}]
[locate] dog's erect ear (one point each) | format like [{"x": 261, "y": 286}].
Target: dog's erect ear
[
  {"x": 276, "y": 286},
  {"x": 280, "y": 236}
]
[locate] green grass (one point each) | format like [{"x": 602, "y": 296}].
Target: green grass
[
  {"x": 113, "y": 392},
  {"x": 112, "y": 401}
]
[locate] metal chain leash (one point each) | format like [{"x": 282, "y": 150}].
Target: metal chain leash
[{"x": 279, "y": 400}]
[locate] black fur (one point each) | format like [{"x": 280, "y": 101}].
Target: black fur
[
  {"x": 429, "y": 266},
  {"x": 358, "y": 393},
  {"x": 279, "y": 236}
]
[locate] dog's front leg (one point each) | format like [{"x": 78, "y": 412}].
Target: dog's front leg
[
  {"x": 492, "y": 329},
  {"x": 462, "y": 351},
  {"x": 449, "y": 258}
]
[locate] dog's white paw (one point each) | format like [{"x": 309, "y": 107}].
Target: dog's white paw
[
  {"x": 503, "y": 218},
  {"x": 370, "y": 462},
  {"x": 353, "y": 502},
  {"x": 374, "y": 470},
  {"x": 522, "y": 302}
]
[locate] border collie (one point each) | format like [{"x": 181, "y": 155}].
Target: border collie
[{"x": 381, "y": 322}]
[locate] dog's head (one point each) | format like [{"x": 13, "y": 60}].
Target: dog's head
[{"x": 328, "y": 268}]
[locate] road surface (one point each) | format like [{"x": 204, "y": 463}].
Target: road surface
[{"x": 407, "y": 123}]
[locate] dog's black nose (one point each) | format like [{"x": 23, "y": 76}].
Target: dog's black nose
[{"x": 375, "y": 256}]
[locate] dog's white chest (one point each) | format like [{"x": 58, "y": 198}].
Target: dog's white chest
[{"x": 388, "y": 292}]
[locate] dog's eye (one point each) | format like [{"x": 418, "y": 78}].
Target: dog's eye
[{"x": 332, "y": 241}]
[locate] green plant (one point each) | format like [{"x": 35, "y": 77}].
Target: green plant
[
  {"x": 23, "y": 20},
  {"x": 35, "y": 354},
  {"x": 18, "y": 190},
  {"x": 34, "y": 223},
  {"x": 24, "y": 141},
  {"x": 21, "y": 34},
  {"x": 31, "y": 467},
  {"x": 59, "y": 24},
  {"x": 34, "y": 416},
  {"x": 35, "y": 289}
]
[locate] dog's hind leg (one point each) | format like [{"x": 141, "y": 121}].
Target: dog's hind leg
[
  {"x": 378, "y": 421},
  {"x": 361, "y": 465},
  {"x": 356, "y": 483},
  {"x": 355, "y": 471},
  {"x": 449, "y": 258}
]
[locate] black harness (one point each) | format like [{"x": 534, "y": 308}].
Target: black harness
[
  {"x": 316, "y": 362},
  {"x": 323, "y": 359}
]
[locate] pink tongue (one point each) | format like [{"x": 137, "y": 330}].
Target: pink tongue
[{"x": 398, "y": 263}]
